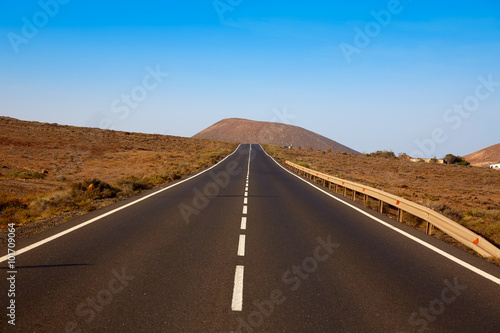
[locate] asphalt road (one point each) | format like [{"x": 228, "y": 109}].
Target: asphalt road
[{"x": 245, "y": 246}]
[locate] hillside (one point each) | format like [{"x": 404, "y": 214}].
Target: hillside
[
  {"x": 46, "y": 169},
  {"x": 277, "y": 134},
  {"x": 485, "y": 157}
]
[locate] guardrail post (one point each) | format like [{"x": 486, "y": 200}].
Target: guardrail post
[
  {"x": 400, "y": 215},
  {"x": 365, "y": 200},
  {"x": 381, "y": 207},
  {"x": 345, "y": 191},
  {"x": 429, "y": 229},
  {"x": 354, "y": 195}
]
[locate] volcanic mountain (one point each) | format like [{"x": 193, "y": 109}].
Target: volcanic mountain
[
  {"x": 277, "y": 134},
  {"x": 485, "y": 157}
]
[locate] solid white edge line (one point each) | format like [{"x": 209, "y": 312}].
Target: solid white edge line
[
  {"x": 81, "y": 225},
  {"x": 237, "y": 303},
  {"x": 241, "y": 246},
  {"x": 243, "y": 223},
  {"x": 418, "y": 240}
]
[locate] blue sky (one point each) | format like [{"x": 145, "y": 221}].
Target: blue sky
[{"x": 419, "y": 77}]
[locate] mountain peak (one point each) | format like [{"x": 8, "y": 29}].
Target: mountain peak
[
  {"x": 262, "y": 132},
  {"x": 484, "y": 157}
]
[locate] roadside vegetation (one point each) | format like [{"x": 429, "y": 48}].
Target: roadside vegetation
[
  {"x": 51, "y": 173},
  {"x": 467, "y": 195}
]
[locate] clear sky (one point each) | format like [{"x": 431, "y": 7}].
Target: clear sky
[{"x": 421, "y": 77}]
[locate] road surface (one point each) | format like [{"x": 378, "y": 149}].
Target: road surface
[{"x": 245, "y": 247}]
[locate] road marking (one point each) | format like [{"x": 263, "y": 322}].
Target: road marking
[
  {"x": 97, "y": 218},
  {"x": 246, "y": 194},
  {"x": 249, "y": 157},
  {"x": 245, "y": 209},
  {"x": 418, "y": 240},
  {"x": 241, "y": 246},
  {"x": 237, "y": 304},
  {"x": 243, "y": 223},
  {"x": 245, "y": 201},
  {"x": 246, "y": 188}
]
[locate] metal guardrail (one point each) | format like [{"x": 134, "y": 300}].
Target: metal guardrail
[{"x": 433, "y": 218}]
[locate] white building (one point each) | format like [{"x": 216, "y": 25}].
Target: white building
[{"x": 495, "y": 166}]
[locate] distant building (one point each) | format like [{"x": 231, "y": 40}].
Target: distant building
[
  {"x": 495, "y": 166},
  {"x": 427, "y": 160}
]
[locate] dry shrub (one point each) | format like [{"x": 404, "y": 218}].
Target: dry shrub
[
  {"x": 413, "y": 221},
  {"x": 132, "y": 184},
  {"x": 382, "y": 154},
  {"x": 9, "y": 202},
  {"x": 9, "y": 206},
  {"x": 93, "y": 189},
  {"x": 447, "y": 211},
  {"x": 80, "y": 196},
  {"x": 26, "y": 174},
  {"x": 54, "y": 202}
]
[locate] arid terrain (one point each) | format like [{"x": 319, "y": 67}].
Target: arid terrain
[
  {"x": 485, "y": 157},
  {"x": 276, "y": 134},
  {"x": 50, "y": 173},
  {"x": 467, "y": 195}
]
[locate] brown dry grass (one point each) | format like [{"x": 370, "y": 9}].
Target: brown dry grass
[
  {"x": 45, "y": 169},
  {"x": 467, "y": 195}
]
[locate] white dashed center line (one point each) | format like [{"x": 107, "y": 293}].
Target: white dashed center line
[
  {"x": 241, "y": 246},
  {"x": 237, "y": 304}
]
